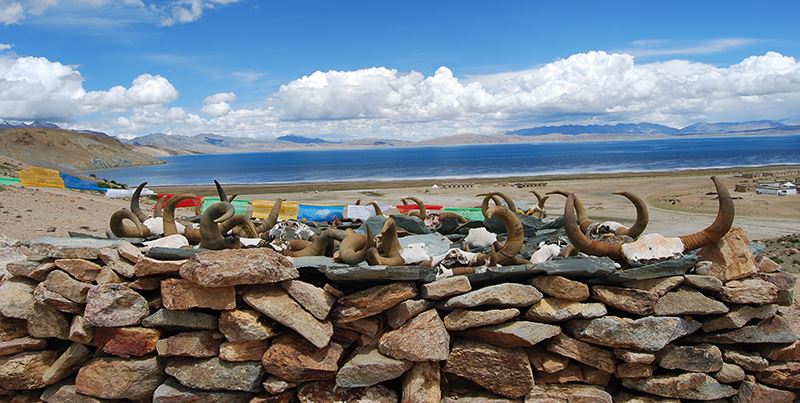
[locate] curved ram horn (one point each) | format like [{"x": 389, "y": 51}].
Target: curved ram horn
[
  {"x": 558, "y": 192},
  {"x": 169, "y": 212},
  {"x": 319, "y": 245},
  {"x": 192, "y": 234},
  {"x": 220, "y": 192},
  {"x": 721, "y": 225},
  {"x": 390, "y": 244},
  {"x": 581, "y": 242},
  {"x": 642, "y": 216},
  {"x": 210, "y": 236},
  {"x": 422, "y": 213},
  {"x": 377, "y": 207},
  {"x": 271, "y": 220},
  {"x": 509, "y": 201},
  {"x": 158, "y": 210},
  {"x": 540, "y": 200},
  {"x": 487, "y": 197},
  {"x": 455, "y": 216},
  {"x": 353, "y": 248},
  {"x": 374, "y": 258},
  {"x": 243, "y": 223},
  {"x": 357, "y": 203},
  {"x": 583, "y": 219},
  {"x": 515, "y": 234},
  {"x": 135, "y": 203},
  {"x": 118, "y": 228}
]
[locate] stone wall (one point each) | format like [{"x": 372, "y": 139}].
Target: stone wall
[{"x": 95, "y": 320}]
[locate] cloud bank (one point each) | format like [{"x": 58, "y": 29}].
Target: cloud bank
[{"x": 592, "y": 87}]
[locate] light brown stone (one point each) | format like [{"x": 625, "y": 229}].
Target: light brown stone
[
  {"x": 327, "y": 392},
  {"x": 749, "y": 291},
  {"x": 293, "y": 358},
  {"x": 708, "y": 283},
  {"x": 129, "y": 252},
  {"x": 421, "y": 383},
  {"x": 748, "y": 360},
  {"x": 751, "y": 392},
  {"x": 584, "y": 353},
  {"x": 178, "y": 294},
  {"x": 369, "y": 327},
  {"x": 11, "y": 328},
  {"x": 275, "y": 385},
  {"x": 638, "y": 302},
  {"x": 369, "y": 367},
  {"x": 16, "y": 297},
  {"x": 785, "y": 282},
  {"x": 571, "y": 373},
  {"x": 658, "y": 286},
  {"x": 80, "y": 331},
  {"x": 171, "y": 391},
  {"x": 650, "y": 333},
  {"x": 773, "y": 330},
  {"x": 81, "y": 269},
  {"x": 506, "y": 295},
  {"x": 229, "y": 267},
  {"x": 372, "y": 301},
  {"x": 21, "y": 344},
  {"x": 505, "y": 371},
  {"x": 571, "y": 393},
  {"x": 688, "y": 301},
  {"x": 561, "y": 287},
  {"x": 730, "y": 373},
  {"x": 108, "y": 276},
  {"x": 44, "y": 322},
  {"x": 67, "y": 364},
  {"x": 739, "y": 316},
  {"x": 114, "y": 305},
  {"x": 784, "y": 375},
  {"x": 634, "y": 357},
  {"x": 446, "y": 287},
  {"x": 513, "y": 334},
  {"x": 461, "y": 319},
  {"x": 625, "y": 397},
  {"x": 33, "y": 270},
  {"x": 731, "y": 257},
  {"x": 66, "y": 392},
  {"x": 767, "y": 265},
  {"x": 424, "y": 338},
  {"x": 181, "y": 320},
  {"x": 199, "y": 344},
  {"x": 781, "y": 352},
  {"x": 25, "y": 371},
  {"x": 245, "y": 325},
  {"x": 278, "y": 305},
  {"x": 545, "y": 361},
  {"x": 557, "y": 310},
  {"x": 634, "y": 370},
  {"x": 215, "y": 374},
  {"x": 243, "y": 350},
  {"x": 402, "y": 312},
  {"x": 126, "y": 342},
  {"x": 63, "y": 284},
  {"x": 314, "y": 299},
  {"x": 46, "y": 297},
  {"x": 151, "y": 267},
  {"x": 695, "y": 358},
  {"x": 696, "y": 386}
]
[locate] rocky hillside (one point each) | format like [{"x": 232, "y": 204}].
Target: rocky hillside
[{"x": 69, "y": 150}]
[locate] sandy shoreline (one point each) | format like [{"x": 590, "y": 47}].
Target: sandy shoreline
[{"x": 679, "y": 201}]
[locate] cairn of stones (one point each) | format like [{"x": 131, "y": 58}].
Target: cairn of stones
[{"x": 90, "y": 320}]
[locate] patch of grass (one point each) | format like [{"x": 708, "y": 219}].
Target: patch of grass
[{"x": 106, "y": 183}]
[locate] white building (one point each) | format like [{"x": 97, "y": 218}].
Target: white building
[{"x": 777, "y": 188}]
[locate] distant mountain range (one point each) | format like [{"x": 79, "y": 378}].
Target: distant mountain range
[
  {"x": 653, "y": 128},
  {"x": 9, "y": 124}
]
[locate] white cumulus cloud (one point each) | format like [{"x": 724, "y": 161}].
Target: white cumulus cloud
[
  {"x": 146, "y": 89},
  {"x": 218, "y": 104}
]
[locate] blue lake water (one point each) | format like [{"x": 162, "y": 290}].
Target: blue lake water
[{"x": 486, "y": 160}]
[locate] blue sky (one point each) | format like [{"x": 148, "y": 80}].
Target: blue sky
[{"x": 506, "y": 65}]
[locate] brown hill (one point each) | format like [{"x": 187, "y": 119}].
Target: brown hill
[{"x": 69, "y": 150}]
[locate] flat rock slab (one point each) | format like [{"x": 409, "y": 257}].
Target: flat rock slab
[
  {"x": 372, "y": 301},
  {"x": 327, "y": 392},
  {"x": 708, "y": 283},
  {"x": 171, "y": 391},
  {"x": 315, "y": 262},
  {"x": 120, "y": 378},
  {"x": 70, "y": 248},
  {"x": 16, "y": 297},
  {"x": 505, "y": 371},
  {"x": 161, "y": 253},
  {"x": 756, "y": 392},
  {"x": 199, "y": 344},
  {"x": 696, "y": 358},
  {"x": 180, "y": 294},
  {"x": 771, "y": 330},
  {"x": 557, "y": 310},
  {"x": 181, "y": 320},
  {"x": 215, "y": 374},
  {"x": 684, "y": 386},
  {"x": 245, "y": 325},
  {"x": 461, "y": 319},
  {"x": 243, "y": 350},
  {"x": 578, "y": 267},
  {"x": 379, "y": 273},
  {"x": 25, "y": 371},
  {"x": 114, "y": 305},
  {"x": 688, "y": 301},
  {"x": 731, "y": 257},
  {"x": 561, "y": 287},
  {"x": 293, "y": 358},
  {"x": 67, "y": 364},
  {"x": 126, "y": 342},
  {"x": 784, "y": 375},
  {"x": 513, "y": 334},
  {"x": 435, "y": 244},
  {"x": 401, "y": 313},
  {"x": 278, "y": 305},
  {"x": 314, "y": 299},
  {"x": 650, "y": 333},
  {"x": 584, "y": 353},
  {"x": 631, "y": 300},
  {"x": 501, "y": 274},
  {"x": 21, "y": 344},
  {"x": 66, "y": 392},
  {"x": 739, "y": 316},
  {"x": 548, "y": 393},
  {"x": 422, "y": 383},
  {"x": 507, "y": 295},
  {"x": 424, "y": 338},
  {"x": 446, "y": 287},
  {"x": 369, "y": 367},
  {"x": 749, "y": 291},
  {"x": 229, "y": 267},
  {"x": 147, "y": 266},
  {"x": 666, "y": 268}
]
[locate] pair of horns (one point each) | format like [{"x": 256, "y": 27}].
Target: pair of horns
[
  {"x": 540, "y": 200},
  {"x": 422, "y": 213},
  {"x": 710, "y": 235},
  {"x": 223, "y": 197},
  {"x": 515, "y": 236},
  {"x": 642, "y": 214},
  {"x": 492, "y": 196}
]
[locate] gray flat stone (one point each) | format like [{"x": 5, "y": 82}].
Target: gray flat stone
[
  {"x": 160, "y": 253},
  {"x": 70, "y": 248},
  {"x": 180, "y": 320},
  {"x": 435, "y": 244},
  {"x": 667, "y": 268},
  {"x": 409, "y": 223},
  {"x": 382, "y": 273},
  {"x": 579, "y": 267},
  {"x": 651, "y": 333}
]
